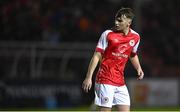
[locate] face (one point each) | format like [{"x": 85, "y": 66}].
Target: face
[{"x": 122, "y": 23}]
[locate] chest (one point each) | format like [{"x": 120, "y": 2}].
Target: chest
[{"x": 117, "y": 40}]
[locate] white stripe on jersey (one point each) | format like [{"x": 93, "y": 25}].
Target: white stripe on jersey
[
  {"x": 137, "y": 44},
  {"x": 102, "y": 43},
  {"x": 136, "y": 47}
]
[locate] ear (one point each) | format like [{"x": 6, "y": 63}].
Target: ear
[{"x": 129, "y": 22}]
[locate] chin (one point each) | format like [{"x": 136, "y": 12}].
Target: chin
[{"x": 118, "y": 30}]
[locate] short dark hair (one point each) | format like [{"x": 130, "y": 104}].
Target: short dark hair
[{"x": 128, "y": 12}]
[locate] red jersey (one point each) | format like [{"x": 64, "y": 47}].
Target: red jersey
[{"x": 115, "y": 48}]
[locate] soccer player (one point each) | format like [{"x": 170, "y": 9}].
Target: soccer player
[{"x": 113, "y": 50}]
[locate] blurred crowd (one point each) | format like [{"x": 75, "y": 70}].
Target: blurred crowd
[
  {"x": 57, "y": 21},
  {"x": 161, "y": 36}
]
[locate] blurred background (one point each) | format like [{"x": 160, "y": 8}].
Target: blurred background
[{"x": 46, "y": 46}]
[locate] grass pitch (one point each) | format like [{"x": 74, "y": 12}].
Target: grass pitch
[{"x": 89, "y": 108}]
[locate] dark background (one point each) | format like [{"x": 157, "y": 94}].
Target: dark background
[{"x": 46, "y": 46}]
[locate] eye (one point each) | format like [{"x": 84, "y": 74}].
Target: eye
[{"x": 119, "y": 20}]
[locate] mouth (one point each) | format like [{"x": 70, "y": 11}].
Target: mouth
[{"x": 117, "y": 27}]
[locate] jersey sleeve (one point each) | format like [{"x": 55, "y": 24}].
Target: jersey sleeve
[
  {"x": 135, "y": 48},
  {"x": 102, "y": 43}
]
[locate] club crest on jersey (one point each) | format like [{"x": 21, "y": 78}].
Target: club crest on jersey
[{"x": 131, "y": 42}]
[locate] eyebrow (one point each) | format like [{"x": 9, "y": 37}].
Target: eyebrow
[{"x": 119, "y": 19}]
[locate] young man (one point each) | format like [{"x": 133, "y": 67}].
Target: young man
[{"x": 114, "y": 48}]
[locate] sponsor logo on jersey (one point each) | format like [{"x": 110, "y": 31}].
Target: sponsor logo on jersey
[
  {"x": 120, "y": 55},
  {"x": 122, "y": 48}
]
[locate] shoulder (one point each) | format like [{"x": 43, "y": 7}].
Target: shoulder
[
  {"x": 106, "y": 32},
  {"x": 135, "y": 33}
]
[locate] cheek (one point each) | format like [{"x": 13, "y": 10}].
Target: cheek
[{"x": 126, "y": 25}]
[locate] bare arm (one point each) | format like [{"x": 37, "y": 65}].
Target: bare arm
[
  {"x": 135, "y": 62},
  {"x": 87, "y": 83}
]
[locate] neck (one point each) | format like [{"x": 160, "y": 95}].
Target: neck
[{"x": 126, "y": 31}]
